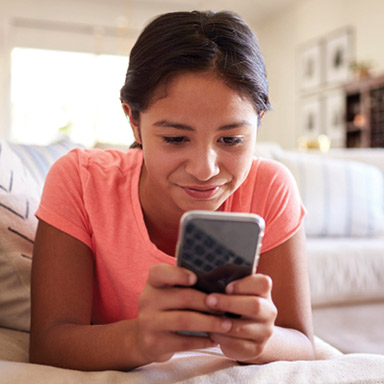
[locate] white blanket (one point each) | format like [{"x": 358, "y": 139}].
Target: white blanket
[{"x": 210, "y": 366}]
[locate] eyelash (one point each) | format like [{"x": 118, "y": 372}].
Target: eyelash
[
  {"x": 232, "y": 140},
  {"x": 175, "y": 140},
  {"x": 228, "y": 140}
]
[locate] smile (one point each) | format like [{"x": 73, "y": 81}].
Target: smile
[{"x": 201, "y": 193}]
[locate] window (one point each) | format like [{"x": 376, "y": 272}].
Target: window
[{"x": 55, "y": 93}]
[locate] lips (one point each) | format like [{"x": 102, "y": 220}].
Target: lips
[{"x": 201, "y": 193}]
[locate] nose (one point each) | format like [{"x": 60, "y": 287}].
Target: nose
[{"x": 203, "y": 164}]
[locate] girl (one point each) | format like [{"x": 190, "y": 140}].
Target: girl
[{"x": 106, "y": 293}]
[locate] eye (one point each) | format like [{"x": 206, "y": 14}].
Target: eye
[
  {"x": 175, "y": 139},
  {"x": 232, "y": 140}
]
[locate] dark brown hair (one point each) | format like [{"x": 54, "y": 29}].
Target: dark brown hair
[{"x": 180, "y": 42}]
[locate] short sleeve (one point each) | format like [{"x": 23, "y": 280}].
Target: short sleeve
[
  {"x": 278, "y": 200},
  {"x": 62, "y": 203}
]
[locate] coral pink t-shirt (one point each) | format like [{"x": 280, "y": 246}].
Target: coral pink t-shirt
[{"x": 93, "y": 195}]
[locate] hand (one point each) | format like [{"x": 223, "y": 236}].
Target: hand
[
  {"x": 250, "y": 298},
  {"x": 166, "y": 306}
]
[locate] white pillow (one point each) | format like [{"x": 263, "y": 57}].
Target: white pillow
[
  {"x": 22, "y": 172},
  {"x": 19, "y": 198},
  {"x": 39, "y": 158},
  {"x": 343, "y": 198}
]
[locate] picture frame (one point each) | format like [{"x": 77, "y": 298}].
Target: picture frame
[
  {"x": 339, "y": 54},
  {"x": 334, "y": 117},
  {"x": 311, "y": 66},
  {"x": 311, "y": 117}
]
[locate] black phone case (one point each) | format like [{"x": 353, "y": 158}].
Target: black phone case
[{"x": 214, "y": 264}]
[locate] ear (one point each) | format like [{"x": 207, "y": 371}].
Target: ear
[{"x": 133, "y": 122}]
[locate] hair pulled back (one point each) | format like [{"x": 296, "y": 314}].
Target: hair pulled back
[{"x": 180, "y": 42}]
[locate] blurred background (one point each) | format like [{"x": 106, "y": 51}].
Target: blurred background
[{"x": 62, "y": 64}]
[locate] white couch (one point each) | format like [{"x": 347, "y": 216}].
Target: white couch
[
  {"x": 346, "y": 275},
  {"x": 343, "y": 191}
]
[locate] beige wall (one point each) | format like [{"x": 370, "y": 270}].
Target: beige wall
[
  {"x": 282, "y": 36},
  {"x": 55, "y": 23}
]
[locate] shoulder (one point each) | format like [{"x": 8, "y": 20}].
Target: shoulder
[
  {"x": 92, "y": 161},
  {"x": 272, "y": 193},
  {"x": 269, "y": 172},
  {"x": 268, "y": 184}
]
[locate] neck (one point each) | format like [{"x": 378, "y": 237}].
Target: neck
[
  {"x": 162, "y": 225},
  {"x": 163, "y": 234}
]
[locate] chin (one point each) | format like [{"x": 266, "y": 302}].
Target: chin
[
  {"x": 202, "y": 205},
  {"x": 186, "y": 203}
]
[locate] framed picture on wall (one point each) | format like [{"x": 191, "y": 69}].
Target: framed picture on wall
[
  {"x": 311, "y": 66},
  {"x": 311, "y": 117},
  {"x": 339, "y": 54},
  {"x": 334, "y": 105}
]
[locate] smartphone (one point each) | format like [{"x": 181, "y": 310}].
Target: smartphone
[{"x": 219, "y": 247}]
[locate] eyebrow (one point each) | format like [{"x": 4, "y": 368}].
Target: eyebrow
[{"x": 185, "y": 127}]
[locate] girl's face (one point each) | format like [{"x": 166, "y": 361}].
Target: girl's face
[{"x": 198, "y": 140}]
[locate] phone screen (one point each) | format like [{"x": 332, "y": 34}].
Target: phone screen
[{"x": 219, "y": 248}]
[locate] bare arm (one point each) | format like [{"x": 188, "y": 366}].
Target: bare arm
[
  {"x": 264, "y": 334},
  {"x": 292, "y": 338},
  {"x": 62, "y": 286},
  {"x": 61, "y": 334}
]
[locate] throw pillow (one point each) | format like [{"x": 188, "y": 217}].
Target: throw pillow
[
  {"x": 39, "y": 158},
  {"x": 22, "y": 173},
  {"x": 343, "y": 198},
  {"x": 19, "y": 198}
]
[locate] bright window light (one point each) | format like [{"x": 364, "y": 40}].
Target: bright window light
[{"x": 56, "y": 93}]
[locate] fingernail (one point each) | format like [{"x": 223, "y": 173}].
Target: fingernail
[
  {"x": 226, "y": 325},
  {"x": 192, "y": 278},
  {"x": 229, "y": 288},
  {"x": 212, "y": 301}
]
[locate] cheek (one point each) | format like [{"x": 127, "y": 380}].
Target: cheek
[
  {"x": 240, "y": 164},
  {"x": 160, "y": 163},
  {"x": 241, "y": 170}
]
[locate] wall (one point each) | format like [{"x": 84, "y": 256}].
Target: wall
[
  {"x": 282, "y": 36},
  {"x": 4, "y": 78},
  {"x": 76, "y": 25}
]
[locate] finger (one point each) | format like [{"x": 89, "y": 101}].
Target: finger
[
  {"x": 190, "y": 299},
  {"x": 257, "y": 284},
  {"x": 160, "y": 347},
  {"x": 171, "y": 298},
  {"x": 188, "y": 343},
  {"x": 250, "y": 330},
  {"x": 254, "y": 307},
  {"x": 191, "y": 321},
  {"x": 164, "y": 275},
  {"x": 239, "y": 349}
]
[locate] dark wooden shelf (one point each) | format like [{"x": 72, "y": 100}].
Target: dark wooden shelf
[{"x": 364, "y": 113}]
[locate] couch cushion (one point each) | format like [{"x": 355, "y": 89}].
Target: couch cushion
[
  {"x": 20, "y": 192},
  {"x": 357, "y": 328},
  {"x": 19, "y": 198},
  {"x": 345, "y": 270},
  {"x": 39, "y": 158},
  {"x": 14, "y": 345},
  {"x": 344, "y": 198}
]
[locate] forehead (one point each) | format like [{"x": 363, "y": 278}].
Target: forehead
[{"x": 198, "y": 90}]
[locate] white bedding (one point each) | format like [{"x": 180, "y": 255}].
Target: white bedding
[
  {"x": 345, "y": 270},
  {"x": 210, "y": 367},
  {"x": 204, "y": 366}
]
